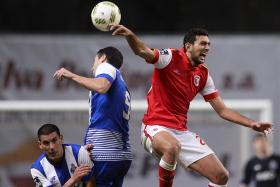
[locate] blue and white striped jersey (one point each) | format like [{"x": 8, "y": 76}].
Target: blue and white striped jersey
[
  {"x": 46, "y": 174},
  {"x": 109, "y": 114}
]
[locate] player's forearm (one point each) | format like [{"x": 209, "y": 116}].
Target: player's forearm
[
  {"x": 91, "y": 84},
  {"x": 236, "y": 117},
  {"x": 135, "y": 43},
  {"x": 139, "y": 48},
  {"x": 70, "y": 183}
]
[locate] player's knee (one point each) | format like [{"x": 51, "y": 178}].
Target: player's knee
[
  {"x": 173, "y": 149},
  {"x": 221, "y": 177}
]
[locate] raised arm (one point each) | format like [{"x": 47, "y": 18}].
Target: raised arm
[
  {"x": 99, "y": 85},
  {"x": 228, "y": 114},
  {"x": 138, "y": 47}
]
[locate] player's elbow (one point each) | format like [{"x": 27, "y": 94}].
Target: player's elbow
[
  {"x": 102, "y": 85},
  {"x": 102, "y": 89},
  {"x": 223, "y": 113}
]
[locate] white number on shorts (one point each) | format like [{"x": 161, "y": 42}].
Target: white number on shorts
[{"x": 126, "y": 113}]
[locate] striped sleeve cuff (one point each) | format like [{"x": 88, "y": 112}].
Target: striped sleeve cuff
[
  {"x": 156, "y": 53},
  {"x": 211, "y": 96}
]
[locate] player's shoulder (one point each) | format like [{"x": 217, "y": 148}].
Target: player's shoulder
[
  {"x": 37, "y": 164},
  {"x": 75, "y": 147},
  {"x": 179, "y": 54},
  {"x": 106, "y": 70},
  {"x": 174, "y": 50}
]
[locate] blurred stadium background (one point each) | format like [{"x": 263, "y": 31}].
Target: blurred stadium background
[{"x": 37, "y": 37}]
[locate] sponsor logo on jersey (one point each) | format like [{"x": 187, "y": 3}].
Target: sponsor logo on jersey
[
  {"x": 196, "y": 80},
  {"x": 38, "y": 182},
  {"x": 53, "y": 179},
  {"x": 265, "y": 176},
  {"x": 164, "y": 52}
]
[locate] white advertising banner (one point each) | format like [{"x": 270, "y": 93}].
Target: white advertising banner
[{"x": 241, "y": 66}]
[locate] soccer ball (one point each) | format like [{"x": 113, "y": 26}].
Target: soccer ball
[{"x": 104, "y": 14}]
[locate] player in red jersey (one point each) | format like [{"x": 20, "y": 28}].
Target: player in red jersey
[{"x": 179, "y": 75}]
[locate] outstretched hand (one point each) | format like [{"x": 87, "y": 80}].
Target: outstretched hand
[
  {"x": 62, "y": 72},
  {"x": 265, "y": 128},
  {"x": 120, "y": 30}
]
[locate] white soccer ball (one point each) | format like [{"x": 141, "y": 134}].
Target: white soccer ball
[{"x": 104, "y": 14}]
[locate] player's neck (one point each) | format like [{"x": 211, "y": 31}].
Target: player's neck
[
  {"x": 190, "y": 59},
  {"x": 193, "y": 63}
]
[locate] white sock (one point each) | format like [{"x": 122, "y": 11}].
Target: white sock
[
  {"x": 169, "y": 167},
  {"x": 216, "y": 185}
]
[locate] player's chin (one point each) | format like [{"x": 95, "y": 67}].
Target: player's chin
[
  {"x": 199, "y": 61},
  {"x": 52, "y": 156}
]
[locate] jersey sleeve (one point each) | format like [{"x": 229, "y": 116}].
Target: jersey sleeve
[
  {"x": 84, "y": 159},
  {"x": 209, "y": 91},
  {"x": 107, "y": 71},
  {"x": 39, "y": 179},
  {"x": 162, "y": 58}
]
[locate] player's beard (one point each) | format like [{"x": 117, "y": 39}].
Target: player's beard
[
  {"x": 197, "y": 61},
  {"x": 196, "y": 58}
]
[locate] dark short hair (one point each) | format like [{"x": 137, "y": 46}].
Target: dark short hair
[
  {"x": 259, "y": 136},
  {"x": 47, "y": 129},
  {"x": 113, "y": 55},
  {"x": 191, "y": 34}
]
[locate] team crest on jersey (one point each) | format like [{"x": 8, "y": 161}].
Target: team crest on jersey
[
  {"x": 38, "y": 182},
  {"x": 196, "y": 80},
  {"x": 53, "y": 179}
]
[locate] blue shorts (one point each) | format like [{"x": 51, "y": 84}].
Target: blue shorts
[{"x": 110, "y": 173}]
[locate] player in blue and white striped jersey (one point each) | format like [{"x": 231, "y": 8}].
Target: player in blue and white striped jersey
[
  {"x": 109, "y": 112},
  {"x": 66, "y": 165}
]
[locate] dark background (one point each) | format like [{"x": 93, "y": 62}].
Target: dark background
[{"x": 145, "y": 16}]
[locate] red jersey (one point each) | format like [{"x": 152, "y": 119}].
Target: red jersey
[{"x": 175, "y": 83}]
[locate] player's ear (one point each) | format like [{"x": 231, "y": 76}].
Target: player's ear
[
  {"x": 61, "y": 138},
  {"x": 187, "y": 46},
  {"x": 103, "y": 58},
  {"x": 39, "y": 144}
]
